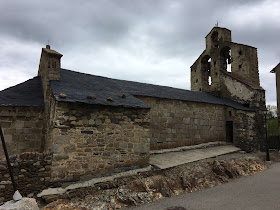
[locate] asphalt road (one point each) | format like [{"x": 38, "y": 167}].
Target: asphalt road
[{"x": 261, "y": 191}]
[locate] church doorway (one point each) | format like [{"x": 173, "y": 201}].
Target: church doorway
[{"x": 229, "y": 131}]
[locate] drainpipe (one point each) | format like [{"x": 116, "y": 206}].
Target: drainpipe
[{"x": 17, "y": 196}]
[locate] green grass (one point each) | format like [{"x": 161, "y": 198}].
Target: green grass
[{"x": 272, "y": 127}]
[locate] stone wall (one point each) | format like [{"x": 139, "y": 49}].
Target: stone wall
[
  {"x": 23, "y": 128},
  {"x": 176, "y": 123},
  {"x": 93, "y": 140},
  {"x": 31, "y": 172},
  {"x": 249, "y": 130},
  {"x": 221, "y": 55},
  {"x": 240, "y": 92},
  {"x": 245, "y": 62}
]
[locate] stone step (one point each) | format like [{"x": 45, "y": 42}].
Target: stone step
[
  {"x": 186, "y": 148},
  {"x": 175, "y": 158}
]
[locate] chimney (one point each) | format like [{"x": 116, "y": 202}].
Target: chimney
[{"x": 49, "y": 67}]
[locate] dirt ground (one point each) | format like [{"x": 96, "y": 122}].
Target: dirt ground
[{"x": 150, "y": 186}]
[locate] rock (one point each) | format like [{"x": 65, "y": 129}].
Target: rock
[
  {"x": 148, "y": 187},
  {"x": 51, "y": 198},
  {"x": 5, "y": 182},
  {"x": 62, "y": 95},
  {"x": 91, "y": 96},
  {"x": 23, "y": 204},
  {"x": 217, "y": 168}
]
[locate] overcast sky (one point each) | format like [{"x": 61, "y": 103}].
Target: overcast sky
[{"x": 152, "y": 41}]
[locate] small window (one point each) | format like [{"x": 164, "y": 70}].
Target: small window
[
  {"x": 240, "y": 52},
  {"x": 196, "y": 80},
  {"x": 240, "y": 66},
  {"x": 49, "y": 64},
  {"x": 229, "y": 113},
  {"x": 216, "y": 73},
  {"x": 214, "y": 63}
]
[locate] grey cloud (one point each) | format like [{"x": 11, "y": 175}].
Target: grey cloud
[
  {"x": 100, "y": 22},
  {"x": 171, "y": 28}
]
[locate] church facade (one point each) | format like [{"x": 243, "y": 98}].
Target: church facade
[{"x": 94, "y": 125}]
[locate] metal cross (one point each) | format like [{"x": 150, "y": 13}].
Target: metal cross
[{"x": 217, "y": 24}]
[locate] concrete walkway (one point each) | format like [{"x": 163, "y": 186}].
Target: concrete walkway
[{"x": 171, "y": 159}]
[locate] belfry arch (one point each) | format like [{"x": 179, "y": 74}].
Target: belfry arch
[
  {"x": 226, "y": 58},
  {"x": 206, "y": 71}
]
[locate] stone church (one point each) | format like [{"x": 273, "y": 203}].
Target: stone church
[{"x": 95, "y": 125}]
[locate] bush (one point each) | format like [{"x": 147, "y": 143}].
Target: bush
[{"x": 272, "y": 127}]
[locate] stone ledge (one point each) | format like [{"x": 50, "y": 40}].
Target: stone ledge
[
  {"x": 186, "y": 148},
  {"x": 90, "y": 183}
]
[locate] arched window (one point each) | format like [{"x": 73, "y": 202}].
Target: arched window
[
  {"x": 226, "y": 57},
  {"x": 206, "y": 69}
]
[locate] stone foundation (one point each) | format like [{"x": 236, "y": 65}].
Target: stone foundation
[{"x": 32, "y": 173}]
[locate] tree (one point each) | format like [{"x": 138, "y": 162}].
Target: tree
[{"x": 271, "y": 111}]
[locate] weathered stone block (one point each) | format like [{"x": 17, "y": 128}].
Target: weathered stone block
[
  {"x": 58, "y": 157},
  {"x": 56, "y": 149},
  {"x": 62, "y": 139},
  {"x": 141, "y": 147}
]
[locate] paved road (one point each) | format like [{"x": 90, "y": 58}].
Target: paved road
[{"x": 258, "y": 192}]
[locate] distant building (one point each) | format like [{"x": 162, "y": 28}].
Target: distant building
[
  {"x": 96, "y": 125},
  {"x": 276, "y": 70}
]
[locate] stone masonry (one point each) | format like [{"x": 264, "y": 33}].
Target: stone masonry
[
  {"x": 23, "y": 128},
  {"x": 32, "y": 173},
  {"x": 90, "y": 140},
  {"x": 103, "y": 126},
  {"x": 230, "y": 70},
  {"x": 177, "y": 123}
]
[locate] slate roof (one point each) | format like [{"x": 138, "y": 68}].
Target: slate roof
[
  {"x": 28, "y": 93},
  {"x": 274, "y": 69},
  {"x": 77, "y": 86}
]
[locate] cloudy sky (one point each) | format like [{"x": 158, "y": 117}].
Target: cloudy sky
[{"x": 152, "y": 41}]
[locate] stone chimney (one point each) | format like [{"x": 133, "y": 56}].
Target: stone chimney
[{"x": 49, "y": 68}]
